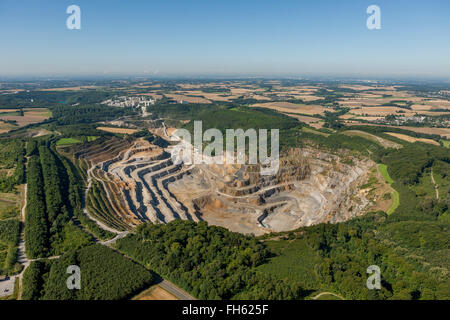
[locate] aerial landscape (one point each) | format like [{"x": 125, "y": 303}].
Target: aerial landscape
[{"x": 95, "y": 203}]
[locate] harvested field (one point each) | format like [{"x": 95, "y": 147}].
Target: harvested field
[
  {"x": 382, "y": 111},
  {"x": 117, "y": 130},
  {"x": 6, "y": 127},
  {"x": 433, "y": 113},
  {"x": 309, "y": 98},
  {"x": 292, "y": 108},
  {"x": 219, "y": 96},
  {"x": 31, "y": 115},
  {"x": 357, "y": 117},
  {"x": 304, "y": 119},
  {"x": 155, "y": 293},
  {"x": 443, "y": 132},
  {"x": 313, "y": 122},
  {"x": 383, "y": 142},
  {"x": 242, "y": 91},
  {"x": 422, "y": 107},
  {"x": 153, "y": 95},
  {"x": 439, "y": 104},
  {"x": 412, "y": 139},
  {"x": 360, "y": 87},
  {"x": 179, "y": 98},
  {"x": 71, "y": 88},
  {"x": 260, "y": 97},
  {"x": 43, "y": 112}
]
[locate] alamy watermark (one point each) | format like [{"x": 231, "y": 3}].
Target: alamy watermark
[
  {"x": 374, "y": 281},
  {"x": 74, "y": 280},
  {"x": 74, "y": 20},
  {"x": 193, "y": 153},
  {"x": 374, "y": 20}
]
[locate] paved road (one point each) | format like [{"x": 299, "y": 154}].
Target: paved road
[
  {"x": 176, "y": 291},
  {"x": 7, "y": 286},
  {"x": 113, "y": 240}
]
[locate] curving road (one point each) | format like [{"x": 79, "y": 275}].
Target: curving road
[{"x": 176, "y": 291}]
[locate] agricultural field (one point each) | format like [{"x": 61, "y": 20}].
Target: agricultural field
[
  {"x": 67, "y": 141},
  {"x": 10, "y": 119},
  {"x": 412, "y": 139},
  {"x": 288, "y": 107},
  {"x": 183, "y": 98},
  {"x": 383, "y": 142},
  {"x": 117, "y": 130},
  {"x": 395, "y": 195},
  {"x": 155, "y": 293},
  {"x": 313, "y": 122},
  {"x": 443, "y": 132}
]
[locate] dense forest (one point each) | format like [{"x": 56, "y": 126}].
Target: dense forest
[
  {"x": 12, "y": 157},
  {"x": 39, "y": 99},
  {"x": 81, "y": 114},
  {"x": 52, "y": 199},
  {"x": 105, "y": 275},
  {"x": 36, "y": 228},
  {"x": 9, "y": 238},
  {"x": 210, "y": 262}
]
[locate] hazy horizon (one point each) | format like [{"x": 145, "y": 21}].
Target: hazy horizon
[{"x": 234, "y": 38}]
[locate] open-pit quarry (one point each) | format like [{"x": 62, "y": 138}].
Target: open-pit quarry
[{"x": 132, "y": 181}]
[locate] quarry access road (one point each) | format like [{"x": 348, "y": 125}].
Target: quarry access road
[{"x": 176, "y": 291}]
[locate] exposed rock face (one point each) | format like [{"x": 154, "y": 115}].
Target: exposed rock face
[{"x": 310, "y": 187}]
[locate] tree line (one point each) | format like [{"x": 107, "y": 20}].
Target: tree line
[
  {"x": 105, "y": 275},
  {"x": 209, "y": 262}
]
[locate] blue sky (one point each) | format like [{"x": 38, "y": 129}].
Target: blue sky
[{"x": 246, "y": 37}]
